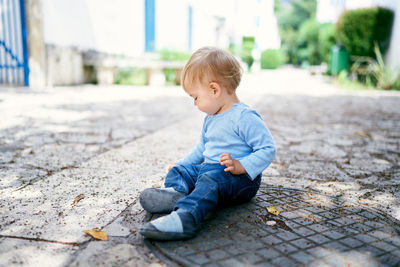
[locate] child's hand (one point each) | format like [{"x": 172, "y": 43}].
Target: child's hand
[
  {"x": 170, "y": 166},
  {"x": 232, "y": 165}
]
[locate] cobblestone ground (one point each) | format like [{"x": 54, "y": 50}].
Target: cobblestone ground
[
  {"x": 312, "y": 230},
  {"x": 111, "y": 142},
  {"x": 45, "y": 132},
  {"x": 346, "y": 145}
]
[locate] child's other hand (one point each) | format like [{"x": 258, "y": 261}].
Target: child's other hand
[
  {"x": 232, "y": 165},
  {"x": 170, "y": 166}
]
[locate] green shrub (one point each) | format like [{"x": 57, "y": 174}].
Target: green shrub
[
  {"x": 385, "y": 77},
  {"x": 289, "y": 46},
  {"x": 131, "y": 76},
  {"x": 326, "y": 39},
  {"x": 308, "y": 42},
  {"x": 173, "y": 55},
  {"x": 246, "y": 51},
  {"x": 271, "y": 59},
  {"x": 358, "y": 29},
  {"x": 290, "y": 19}
]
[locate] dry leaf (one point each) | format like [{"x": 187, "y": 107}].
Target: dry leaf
[
  {"x": 230, "y": 225},
  {"x": 77, "y": 199},
  {"x": 273, "y": 210},
  {"x": 361, "y": 134},
  {"x": 98, "y": 234}
]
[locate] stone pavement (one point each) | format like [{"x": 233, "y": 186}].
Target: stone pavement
[
  {"x": 109, "y": 143},
  {"x": 312, "y": 229}
]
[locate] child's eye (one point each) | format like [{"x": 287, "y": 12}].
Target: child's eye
[{"x": 195, "y": 98}]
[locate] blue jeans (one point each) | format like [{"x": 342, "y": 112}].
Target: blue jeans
[{"x": 208, "y": 186}]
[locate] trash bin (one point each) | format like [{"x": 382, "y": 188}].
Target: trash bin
[{"x": 339, "y": 59}]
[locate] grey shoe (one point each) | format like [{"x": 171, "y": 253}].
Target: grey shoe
[
  {"x": 159, "y": 200},
  {"x": 174, "y": 226}
]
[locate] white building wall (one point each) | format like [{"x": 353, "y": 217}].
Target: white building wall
[
  {"x": 267, "y": 33},
  {"x": 118, "y": 26},
  {"x": 393, "y": 54},
  {"x": 112, "y": 27},
  {"x": 172, "y": 24}
]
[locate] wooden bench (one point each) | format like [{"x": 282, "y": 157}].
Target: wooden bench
[{"x": 105, "y": 67}]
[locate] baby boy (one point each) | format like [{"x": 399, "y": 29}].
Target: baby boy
[{"x": 225, "y": 166}]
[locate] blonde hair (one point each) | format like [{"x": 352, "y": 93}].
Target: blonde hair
[{"x": 210, "y": 64}]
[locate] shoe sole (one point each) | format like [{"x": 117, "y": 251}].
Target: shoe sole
[{"x": 153, "y": 233}]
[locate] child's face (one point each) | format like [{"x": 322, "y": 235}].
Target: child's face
[{"x": 205, "y": 97}]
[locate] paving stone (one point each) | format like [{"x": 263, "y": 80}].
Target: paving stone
[
  {"x": 268, "y": 253},
  {"x": 271, "y": 240},
  {"x": 285, "y": 248},
  {"x": 351, "y": 242},
  {"x": 337, "y": 260},
  {"x": 384, "y": 246},
  {"x": 350, "y": 230},
  {"x": 302, "y": 257},
  {"x": 319, "y": 252},
  {"x": 336, "y": 246},
  {"x": 308, "y": 245},
  {"x": 344, "y": 221},
  {"x": 379, "y": 234},
  {"x": 318, "y": 238},
  {"x": 333, "y": 234},
  {"x": 318, "y": 227},
  {"x": 199, "y": 258},
  {"x": 329, "y": 215},
  {"x": 232, "y": 262},
  {"x": 303, "y": 231},
  {"x": 389, "y": 260},
  {"x": 286, "y": 235},
  {"x": 394, "y": 240},
  {"x": 283, "y": 261},
  {"x": 365, "y": 238},
  {"x": 217, "y": 254},
  {"x": 302, "y": 243},
  {"x": 236, "y": 250},
  {"x": 373, "y": 250},
  {"x": 250, "y": 258}
]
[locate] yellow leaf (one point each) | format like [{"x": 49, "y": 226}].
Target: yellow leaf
[
  {"x": 361, "y": 134},
  {"x": 98, "y": 234},
  {"x": 273, "y": 210},
  {"x": 77, "y": 199}
]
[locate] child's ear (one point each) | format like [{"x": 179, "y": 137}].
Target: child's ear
[{"x": 216, "y": 88}]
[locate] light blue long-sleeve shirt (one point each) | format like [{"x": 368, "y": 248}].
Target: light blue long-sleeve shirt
[{"x": 240, "y": 132}]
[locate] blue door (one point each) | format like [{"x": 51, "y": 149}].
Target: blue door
[
  {"x": 150, "y": 25},
  {"x": 13, "y": 44}
]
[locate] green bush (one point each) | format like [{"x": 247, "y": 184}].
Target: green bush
[
  {"x": 308, "y": 42},
  {"x": 358, "y": 29},
  {"x": 131, "y": 76},
  {"x": 326, "y": 39},
  {"x": 247, "y": 48},
  {"x": 173, "y": 55},
  {"x": 271, "y": 59},
  {"x": 290, "y": 19},
  {"x": 289, "y": 46}
]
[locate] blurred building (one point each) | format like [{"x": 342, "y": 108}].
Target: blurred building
[
  {"x": 330, "y": 10},
  {"x": 131, "y": 27},
  {"x": 137, "y": 29}
]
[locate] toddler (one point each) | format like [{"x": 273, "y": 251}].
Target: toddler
[{"x": 226, "y": 165}]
